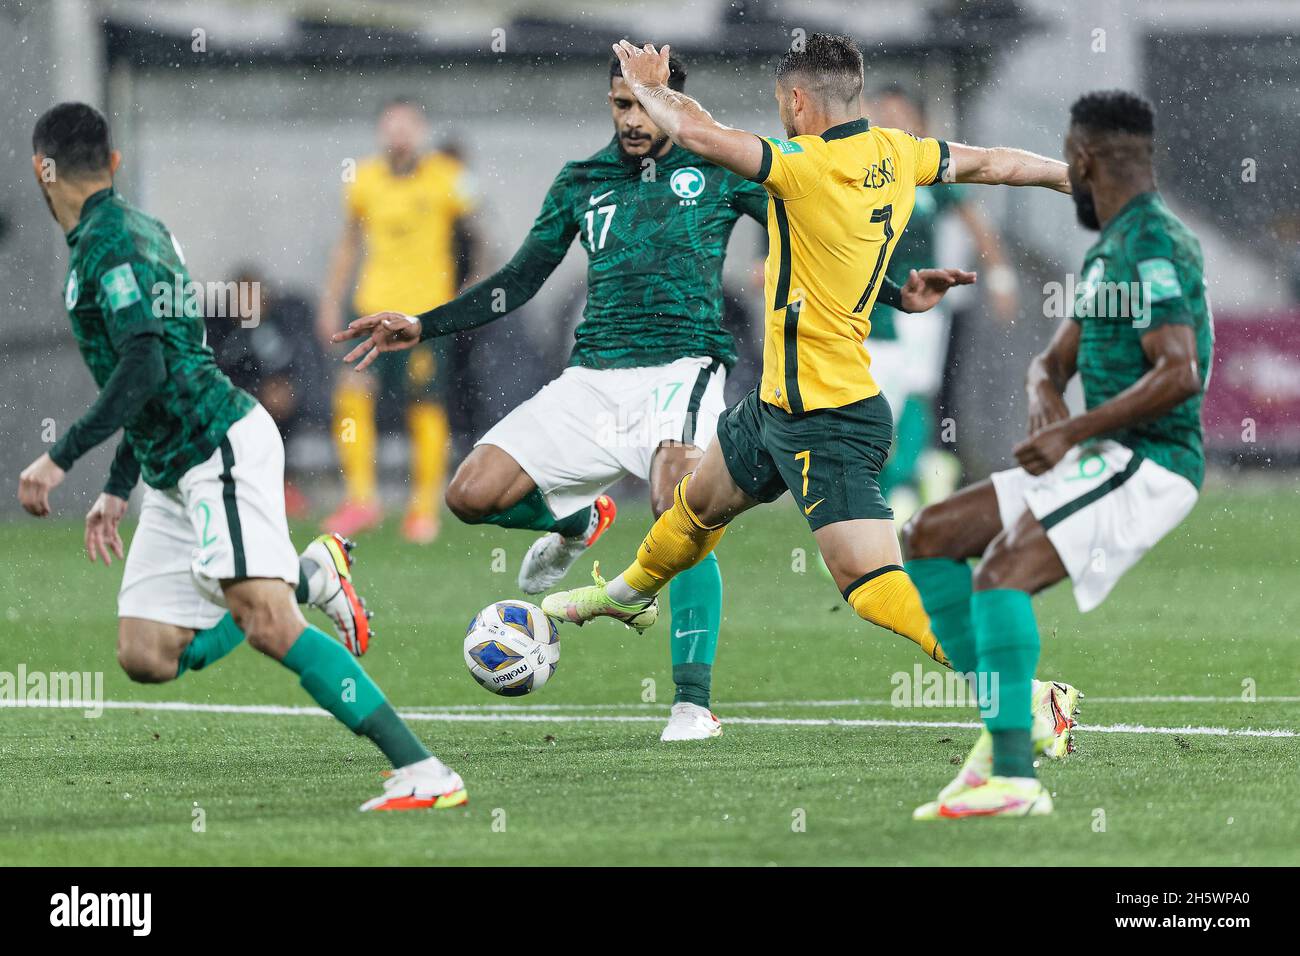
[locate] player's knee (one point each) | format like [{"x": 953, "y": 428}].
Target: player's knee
[
  {"x": 922, "y": 536},
  {"x": 270, "y": 626},
  {"x": 475, "y": 492},
  {"x": 468, "y": 499},
  {"x": 661, "y": 500},
  {"x": 996, "y": 570},
  {"x": 142, "y": 660}
]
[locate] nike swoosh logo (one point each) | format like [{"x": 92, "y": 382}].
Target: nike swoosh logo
[
  {"x": 809, "y": 510},
  {"x": 689, "y": 633},
  {"x": 595, "y": 199}
]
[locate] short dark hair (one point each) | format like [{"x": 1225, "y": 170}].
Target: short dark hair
[
  {"x": 676, "y": 72},
  {"x": 75, "y": 136},
  {"x": 1114, "y": 111},
  {"x": 832, "y": 64}
]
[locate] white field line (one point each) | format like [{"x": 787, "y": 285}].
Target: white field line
[
  {"x": 849, "y": 702},
  {"x": 498, "y": 716}
]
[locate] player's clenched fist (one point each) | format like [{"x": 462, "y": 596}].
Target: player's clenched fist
[
  {"x": 383, "y": 331},
  {"x": 102, "y": 537},
  {"x": 35, "y": 484}
]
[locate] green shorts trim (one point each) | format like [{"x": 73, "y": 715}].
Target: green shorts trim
[{"x": 829, "y": 459}]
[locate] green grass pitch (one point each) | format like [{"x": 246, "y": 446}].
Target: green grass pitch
[{"x": 576, "y": 775}]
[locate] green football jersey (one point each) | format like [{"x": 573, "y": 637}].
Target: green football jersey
[
  {"x": 123, "y": 275},
  {"x": 916, "y": 248},
  {"x": 1144, "y": 271},
  {"x": 655, "y": 234}
]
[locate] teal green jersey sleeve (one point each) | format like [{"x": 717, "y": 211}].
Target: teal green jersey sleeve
[
  {"x": 750, "y": 199},
  {"x": 1170, "y": 287},
  {"x": 519, "y": 279}
]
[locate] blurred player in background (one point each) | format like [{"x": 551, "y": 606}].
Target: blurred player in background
[
  {"x": 403, "y": 214},
  {"x": 910, "y": 354},
  {"x": 211, "y": 561},
  {"x": 1094, "y": 491},
  {"x": 276, "y": 359}
]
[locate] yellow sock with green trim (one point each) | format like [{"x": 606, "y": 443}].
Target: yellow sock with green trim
[
  {"x": 887, "y": 596},
  {"x": 676, "y": 542}
]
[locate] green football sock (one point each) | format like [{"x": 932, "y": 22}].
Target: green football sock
[
  {"x": 210, "y": 644},
  {"x": 530, "y": 512},
  {"x": 336, "y": 681},
  {"x": 911, "y": 438},
  {"x": 1006, "y": 635},
  {"x": 696, "y": 599},
  {"x": 945, "y": 587}
]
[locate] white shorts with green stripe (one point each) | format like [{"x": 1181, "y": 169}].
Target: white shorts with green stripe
[
  {"x": 225, "y": 519},
  {"x": 1103, "y": 507},
  {"x": 590, "y": 427}
]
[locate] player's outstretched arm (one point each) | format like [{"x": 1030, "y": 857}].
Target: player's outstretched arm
[
  {"x": 1004, "y": 166},
  {"x": 495, "y": 297},
  {"x": 140, "y": 372},
  {"x": 1173, "y": 378},
  {"x": 685, "y": 121}
]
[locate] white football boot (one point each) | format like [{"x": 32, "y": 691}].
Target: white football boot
[
  {"x": 691, "y": 722},
  {"x": 327, "y": 565},
  {"x": 427, "y": 785},
  {"x": 552, "y": 555},
  {"x": 1055, "y": 705}
]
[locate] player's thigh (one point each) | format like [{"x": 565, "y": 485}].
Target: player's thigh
[
  {"x": 158, "y": 582},
  {"x": 235, "y": 504},
  {"x": 831, "y": 460},
  {"x": 266, "y": 610},
  {"x": 712, "y": 492},
  {"x": 855, "y": 548},
  {"x": 488, "y": 481},
  {"x": 737, "y": 471},
  {"x": 1021, "y": 557},
  {"x": 150, "y": 651},
  {"x": 566, "y": 438},
  {"x": 961, "y": 526}
]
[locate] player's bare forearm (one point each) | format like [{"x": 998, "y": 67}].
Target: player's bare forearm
[
  {"x": 1056, "y": 364},
  {"x": 1006, "y": 166},
  {"x": 1172, "y": 379},
  {"x": 681, "y": 117}
]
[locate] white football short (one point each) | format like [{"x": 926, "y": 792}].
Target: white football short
[
  {"x": 913, "y": 363},
  {"x": 1103, "y": 508},
  {"x": 224, "y": 519},
  {"x": 588, "y": 428}
]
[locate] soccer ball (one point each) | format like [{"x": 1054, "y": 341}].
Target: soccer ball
[{"x": 511, "y": 648}]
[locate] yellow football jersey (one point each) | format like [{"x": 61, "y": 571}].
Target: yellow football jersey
[
  {"x": 839, "y": 203},
  {"x": 406, "y": 221}
]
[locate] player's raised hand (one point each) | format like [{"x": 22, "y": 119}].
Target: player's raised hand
[
  {"x": 643, "y": 66},
  {"x": 102, "y": 537},
  {"x": 925, "y": 287},
  {"x": 35, "y": 484},
  {"x": 383, "y": 332}
]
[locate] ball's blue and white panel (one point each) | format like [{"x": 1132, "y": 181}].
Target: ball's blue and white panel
[
  {"x": 494, "y": 656},
  {"x": 516, "y": 614}
]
